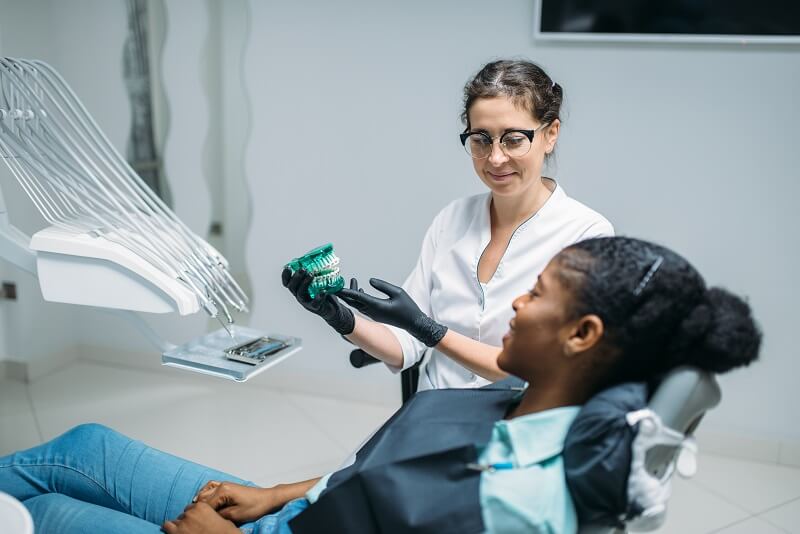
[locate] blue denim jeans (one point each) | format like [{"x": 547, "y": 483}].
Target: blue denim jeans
[{"x": 93, "y": 479}]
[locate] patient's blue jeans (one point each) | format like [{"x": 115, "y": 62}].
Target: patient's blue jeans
[{"x": 93, "y": 479}]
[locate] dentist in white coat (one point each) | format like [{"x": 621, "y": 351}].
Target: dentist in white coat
[{"x": 480, "y": 252}]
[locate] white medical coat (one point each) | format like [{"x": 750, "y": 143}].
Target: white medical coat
[{"x": 445, "y": 283}]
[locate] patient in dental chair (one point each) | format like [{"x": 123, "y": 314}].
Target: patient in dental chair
[{"x": 603, "y": 312}]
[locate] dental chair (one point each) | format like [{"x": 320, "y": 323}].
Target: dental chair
[
  {"x": 14, "y": 517},
  {"x": 679, "y": 401}
]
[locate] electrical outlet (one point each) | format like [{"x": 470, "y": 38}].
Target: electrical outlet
[{"x": 9, "y": 291}]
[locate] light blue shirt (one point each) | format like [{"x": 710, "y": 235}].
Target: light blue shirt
[{"x": 531, "y": 496}]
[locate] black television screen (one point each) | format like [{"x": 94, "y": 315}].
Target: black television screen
[{"x": 768, "y": 20}]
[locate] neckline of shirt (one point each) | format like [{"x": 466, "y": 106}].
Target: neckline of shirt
[
  {"x": 486, "y": 231},
  {"x": 557, "y": 194}
]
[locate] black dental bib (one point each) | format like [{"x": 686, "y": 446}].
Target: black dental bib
[{"x": 412, "y": 475}]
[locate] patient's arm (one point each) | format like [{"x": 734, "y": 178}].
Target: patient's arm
[
  {"x": 241, "y": 503},
  {"x": 289, "y": 492},
  {"x": 199, "y": 519}
]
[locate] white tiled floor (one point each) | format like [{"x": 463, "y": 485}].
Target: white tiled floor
[{"x": 271, "y": 436}]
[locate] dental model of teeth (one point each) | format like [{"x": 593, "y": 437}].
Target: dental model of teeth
[{"x": 323, "y": 265}]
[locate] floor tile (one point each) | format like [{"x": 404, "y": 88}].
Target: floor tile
[
  {"x": 242, "y": 431},
  {"x": 346, "y": 422},
  {"x": 17, "y": 432},
  {"x": 752, "y": 525},
  {"x": 693, "y": 510},
  {"x": 789, "y": 454},
  {"x": 297, "y": 475},
  {"x": 753, "y": 486},
  {"x": 14, "y": 398},
  {"x": 786, "y": 516},
  {"x": 753, "y": 448},
  {"x": 18, "y": 429}
]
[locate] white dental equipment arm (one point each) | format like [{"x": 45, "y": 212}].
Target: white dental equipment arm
[
  {"x": 91, "y": 196},
  {"x": 112, "y": 242}
]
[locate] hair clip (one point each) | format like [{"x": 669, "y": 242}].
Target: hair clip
[{"x": 648, "y": 276}]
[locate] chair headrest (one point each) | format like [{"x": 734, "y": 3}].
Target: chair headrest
[{"x": 597, "y": 451}]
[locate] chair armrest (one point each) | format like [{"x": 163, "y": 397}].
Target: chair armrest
[
  {"x": 409, "y": 378},
  {"x": 360, "y": 358}
]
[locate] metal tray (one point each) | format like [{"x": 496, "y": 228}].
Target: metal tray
[{"x": 206, "y": 354}]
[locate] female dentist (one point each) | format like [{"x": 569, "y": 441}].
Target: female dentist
[{"x": 480, "y": 251}]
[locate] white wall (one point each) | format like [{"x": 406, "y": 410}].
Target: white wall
[
  {"x": 689, "y": 145},
  {"x": 237, "y": 203}
]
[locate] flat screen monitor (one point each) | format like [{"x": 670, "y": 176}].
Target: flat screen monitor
[{"x": 734, "y": 21}]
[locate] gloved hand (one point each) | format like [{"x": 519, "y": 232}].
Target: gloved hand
[
  {"x": 398, "y": 310},
  {"x": 326, "y": 306}
]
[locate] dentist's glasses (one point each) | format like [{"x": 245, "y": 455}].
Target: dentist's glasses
[{"x": 513, "y": 143}]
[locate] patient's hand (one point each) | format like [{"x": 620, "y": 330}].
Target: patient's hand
[
  {"x": 199, "y": 518},
  {"x": 238, "y": 503}
]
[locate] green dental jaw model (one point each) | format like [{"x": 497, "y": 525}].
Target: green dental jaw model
[{"x": 323, "y": 265}]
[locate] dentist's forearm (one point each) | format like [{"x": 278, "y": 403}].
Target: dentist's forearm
[
  {"x": 478, "y": 357},
  {"x": 376, "y": 340}
]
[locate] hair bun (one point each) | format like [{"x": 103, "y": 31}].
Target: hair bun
[
  {"x": 720, "y": 332},
  {"x": 695, "y": 325}
]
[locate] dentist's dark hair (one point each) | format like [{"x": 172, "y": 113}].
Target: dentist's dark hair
[
  {"x": 656, "y": 309},
  {"x": 526, "y": 83}
]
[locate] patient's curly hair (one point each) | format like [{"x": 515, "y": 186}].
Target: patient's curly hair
[{"x": 658, "y": 322}]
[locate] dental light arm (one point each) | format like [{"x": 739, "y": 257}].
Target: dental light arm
[
  {"x": 83, "y": 187},
  {"x": 111, "y": 242}
]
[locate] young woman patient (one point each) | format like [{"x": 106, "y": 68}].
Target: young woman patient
[{"x": 604, "y": 311}]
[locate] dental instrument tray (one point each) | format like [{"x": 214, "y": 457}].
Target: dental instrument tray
[{"x": 238, "y": 357}]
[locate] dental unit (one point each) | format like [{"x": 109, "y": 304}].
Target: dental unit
[{"x": 113, "y": 243}]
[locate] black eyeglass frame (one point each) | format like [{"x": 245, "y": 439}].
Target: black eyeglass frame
[{"x": 527, "y": 133}]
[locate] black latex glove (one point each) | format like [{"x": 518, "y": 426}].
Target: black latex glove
[
  {"x": 326, "y": 306},
  {"x": 398, "y": 310}
]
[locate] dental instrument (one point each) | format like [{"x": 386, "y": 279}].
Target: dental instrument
[{"x": 112, "y": 242}]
